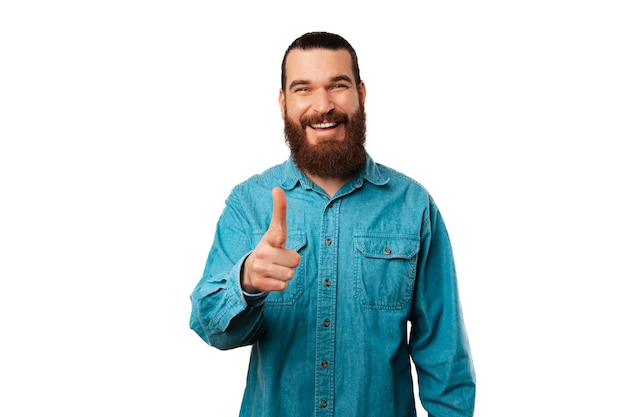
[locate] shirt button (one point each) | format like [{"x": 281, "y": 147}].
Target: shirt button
[
  {"x": 329, "y": 242},
  {"x": 323, "y": 404},
  {"x": 387, "y": 251},
  {"x": 327, "y": 282},
  {"x": 326, "y": 323},
  {"x": 324, "y": 364}
]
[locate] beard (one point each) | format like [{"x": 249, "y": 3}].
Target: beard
[{"x": 331, "y": 158}]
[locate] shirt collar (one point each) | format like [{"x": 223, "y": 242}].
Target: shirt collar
[{"x": 369, "y": 171}]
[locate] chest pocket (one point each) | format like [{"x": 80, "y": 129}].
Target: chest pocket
[
  {"x": 385, "y": 269},
  {"x": 296, "y": 240}
]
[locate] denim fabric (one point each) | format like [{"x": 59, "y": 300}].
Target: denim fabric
[{"x": 374, "y": 258}]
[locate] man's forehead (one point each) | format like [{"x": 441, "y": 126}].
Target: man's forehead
[{"x": 317, "y": 62}]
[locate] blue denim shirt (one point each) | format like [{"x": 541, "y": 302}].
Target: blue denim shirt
[{"x": 374, "y": 258}]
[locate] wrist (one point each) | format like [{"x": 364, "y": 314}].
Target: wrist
[{"x": 244, "y": 279}]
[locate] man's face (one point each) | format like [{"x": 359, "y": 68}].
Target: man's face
[{"x": 323, "y": 110}]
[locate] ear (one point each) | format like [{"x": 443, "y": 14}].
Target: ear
[
  {"x": 281, "y": 103},
  {"x": 362, "y": 93}
]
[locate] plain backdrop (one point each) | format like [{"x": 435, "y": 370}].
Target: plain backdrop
[{"x": 124, "y": 125}]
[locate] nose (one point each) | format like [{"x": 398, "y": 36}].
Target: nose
[{"x": 322, "y": 102}]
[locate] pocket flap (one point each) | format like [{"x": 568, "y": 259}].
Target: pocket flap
[
  {"x": 387, "y": 246},
  {"x": 296, "y": 240}
]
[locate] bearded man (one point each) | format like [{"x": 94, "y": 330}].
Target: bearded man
[{"x": 338, "y": 293}]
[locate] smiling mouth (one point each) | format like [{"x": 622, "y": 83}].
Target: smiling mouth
[{"x": 323, "y": 125}]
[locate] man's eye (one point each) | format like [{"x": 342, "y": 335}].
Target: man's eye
[{"x": 339, "y": 86}]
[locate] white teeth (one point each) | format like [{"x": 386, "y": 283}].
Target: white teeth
[{"x": 324, "y": 125}]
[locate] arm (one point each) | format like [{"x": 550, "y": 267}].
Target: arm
[
  {"x": 438, "y": 342},
  {"x": 222, "y": 314},
  {"x": 227, "y": 304}
]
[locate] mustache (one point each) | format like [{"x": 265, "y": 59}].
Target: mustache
[{"x": 330, "y": 117}]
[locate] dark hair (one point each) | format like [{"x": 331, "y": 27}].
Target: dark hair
[{"x": 322, "y": 40}]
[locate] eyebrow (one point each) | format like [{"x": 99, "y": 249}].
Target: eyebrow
[{"x": 336, "y": 78}]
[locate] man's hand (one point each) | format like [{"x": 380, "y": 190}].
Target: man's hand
[{"x": 271, "y": 265}]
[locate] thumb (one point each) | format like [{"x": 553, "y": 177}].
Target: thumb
[{"x": 277, "y": 232}]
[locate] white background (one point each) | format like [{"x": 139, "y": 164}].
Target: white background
[{"x": 124, "y": 125}]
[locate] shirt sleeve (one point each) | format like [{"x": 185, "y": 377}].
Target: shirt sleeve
[
  {"x": 438, "y": 340},
  {"x": 222, "y": 314}
]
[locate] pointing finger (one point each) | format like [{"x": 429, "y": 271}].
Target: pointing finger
[{"x": 277, "y": 232}]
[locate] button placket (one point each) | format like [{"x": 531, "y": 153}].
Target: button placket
[{"x": 326, "y": 310}]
